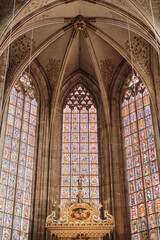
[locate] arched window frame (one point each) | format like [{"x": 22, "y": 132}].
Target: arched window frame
[
  {"x": 134, "y": 85},
  {"x": 65, "y": 103},
  {"x": 27, "y": 87}
]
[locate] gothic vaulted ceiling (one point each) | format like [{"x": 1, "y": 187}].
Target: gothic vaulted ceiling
[{"x": 68, "y": 36}]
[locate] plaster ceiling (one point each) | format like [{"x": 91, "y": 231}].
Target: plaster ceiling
[{"x": 49, "y": 25}]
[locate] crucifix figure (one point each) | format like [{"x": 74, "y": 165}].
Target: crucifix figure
[{"x": 80, "y": 189}]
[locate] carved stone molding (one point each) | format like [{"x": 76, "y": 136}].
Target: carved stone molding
[
  {"x": 7, "y": 8},
  {"x": 20, "y": 49},
  {"x": 155, "y": 7},
  {"x": 127, "y": 72},
  {"x": 125, "y": 5},
  {"x": 140, "y": 49},
  {"x": 107, "y": 69},
  {"x": 52, "y": 70},
  {"x": 34, "y": 5}
]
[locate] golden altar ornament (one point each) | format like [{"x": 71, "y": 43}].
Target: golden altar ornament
[{"x": 80, "y": 220}]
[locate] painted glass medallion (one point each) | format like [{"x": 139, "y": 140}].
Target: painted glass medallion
[
  {"x": 12, "y": 109},
  {"x": 84, "y": 169},
  {"x": 134, "y": 212},
  {"x": 18, "y": 209},
  {"x": 33, "y": 110},
  {"x": 10, "y": 120},
  {"x": 5, "y": 165},
  {"x": 134, "y": 224},
  {"x": 26, "y": 116},
  {"x": 17, "y": 123},
  {"x": 140, "y": 197},
  {"x": 33, "y": 120},
  {"x": 13, "y": 168},
  {"x": 16, "y": 133},
  {"x": 85, "y": 181},
  {"x": 8, "y": 142},
  {"x": 84, "y": 137},
  {"x": 19, "y": 103},
  {"x": 65, "y": 180},
  {"x": 27, "y": 107},
  {"x": 15, "y": 235},
  {"x": 74, "y": 169},
  {"x": 27, "y": 198},
  {"x": 32, "y": 130},
  {"x": 26, "y": 212},
  {"x": 24, "y": 225},
  {"x": 84, "y": 148},
  {"x": 19, "y": 113},
  {"x": 2, "y": 190},
  {"x": 7, "y": 220},
  {"x": 66, "y": 137},
  {"x": 65, "y": 192},
  {"x": 6, "y": 233},
  {"x": 74, "y": 159},
  {"x": 10, "y": 193},
  {"x": 20, "y": 95},
  {"x": 127, "y": 130},
  {"x": 84, "y": 158},
  {"x": 9, "y": 207},
  {"x": 92, "y": 137},
  {"x": 15, "y": 144},
  {"x": 66, "y": 169},
  {"x": 13, "y": 99},
  {"x": 74, "y": 181},
  {"x": 74, "y": 192}
]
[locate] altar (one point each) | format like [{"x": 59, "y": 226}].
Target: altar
[{"x": 80, "y": 220}]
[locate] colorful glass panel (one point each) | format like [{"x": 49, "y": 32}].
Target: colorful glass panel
[
  {"x": 80, "y": 148},
  {"x": 17, "y": 168},
  {"x": 142, "y": 170}
]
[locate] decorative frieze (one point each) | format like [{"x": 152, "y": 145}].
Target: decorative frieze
[
  {"x": 52, "y": 70},
  {"x": 107, "y": 70},
  {"x": 140, "y": 50},
  {"x": 7, "y": 8},
  {"x": 20, "y": 49},
  {"x": 154, "y": 5}
]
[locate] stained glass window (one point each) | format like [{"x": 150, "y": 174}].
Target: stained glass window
[
  {"x": 80, "y": 147},
  {"x": 141, "y": 162},
  {"x": 17, "y": 161}
]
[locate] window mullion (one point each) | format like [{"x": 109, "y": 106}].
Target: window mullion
[
  {"x": 17, "y": 167},
  {"x": 89, "y": 186},
  {"x": 136, "y": 110},
  {"x": 71, "y": 133}
]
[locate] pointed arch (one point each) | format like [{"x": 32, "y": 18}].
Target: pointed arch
[
  {"x": 80, "y": 146},
  {"x": 141, "y": 160},
  {"x": 18, "y": 160}
]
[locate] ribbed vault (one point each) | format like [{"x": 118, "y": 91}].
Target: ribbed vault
[{"x": 97, "y": 43}]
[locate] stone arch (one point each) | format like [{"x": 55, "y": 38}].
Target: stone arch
[
  {"x": 55, "y": 156},
  {"x": 42, "y": 142},
  {"x": 116, "y": 95}
]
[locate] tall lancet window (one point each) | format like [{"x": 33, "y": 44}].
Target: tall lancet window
[
  {"x": 17, "y": 161},
  {"x": 141, "y": 162},
  {"x": 80, "y": 148}
]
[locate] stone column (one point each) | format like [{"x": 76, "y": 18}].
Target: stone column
[
  {"x": 3, "y": 66},
  {"x": 41, "y": 178}
]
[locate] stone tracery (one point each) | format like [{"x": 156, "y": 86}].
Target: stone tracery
[{"x": 98, "y": 17}]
